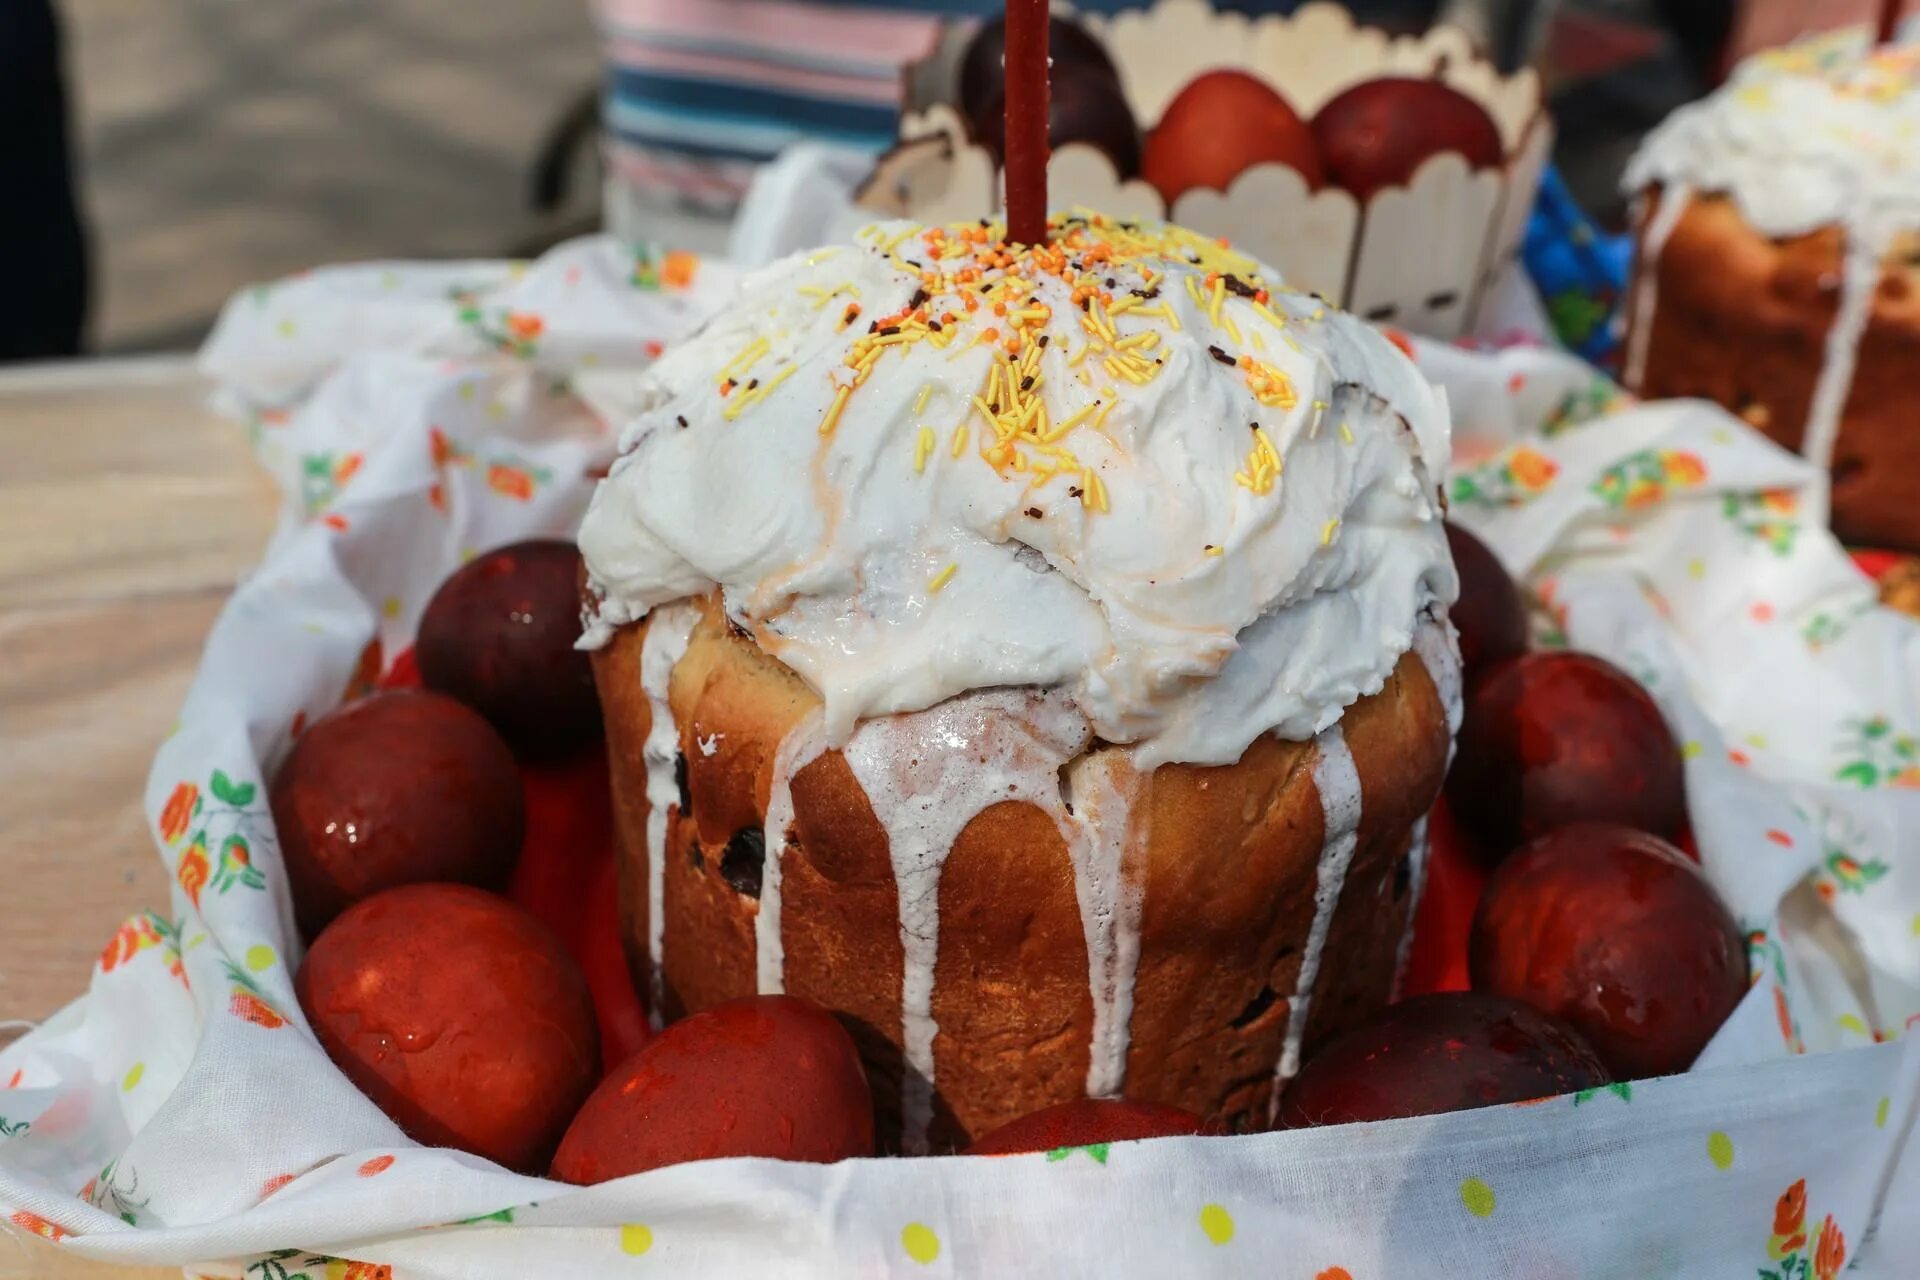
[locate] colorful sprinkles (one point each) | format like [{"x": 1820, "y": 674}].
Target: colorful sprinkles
[{"x": 976, "y": 290}]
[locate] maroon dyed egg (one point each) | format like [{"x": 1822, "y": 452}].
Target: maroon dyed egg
[
  {"x": 1616, "y": 933},
  {"x": 1083, "y": 105},
  {"x": 772, "y": 1076},
  {"x": 983, "y": 74},
  {"x": 1490, "y": 615},
  {"x": 397, "y": 788},
  {"x": 1379, "y": 132},
  {"x": 499, "y": 635},
  {"x": 459, "y": 1015},
  {"x": 1551, "y": 739},
  {"x": 1083, "y": 1123},
  {"x": 1451, "y": 1051}
]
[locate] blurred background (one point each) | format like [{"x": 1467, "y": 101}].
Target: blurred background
[{"x": 218, "y": 142}]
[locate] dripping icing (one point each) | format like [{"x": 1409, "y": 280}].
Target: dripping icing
[
  {"x": 1674, "y": 200},
  {"x": 1438, "y": 645},
  {"x": 1337, "y": 779},
  {"x": 1859, "y": 280},
  {"x": 1419, "y": 851},
  {"x": 802, "y": 745},
  {"x": 1100, "y": 835},
  {"x": 668, "y": 629},
  {"x": 927, "y": 775}
]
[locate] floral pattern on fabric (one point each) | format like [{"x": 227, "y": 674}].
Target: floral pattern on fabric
[
  {"x": 1644, "y": 478},
  {"x": 1878, "y": 756},
  {"x": 1796, "y": 1253},
  {"x": 1769, "y": 518},
  {"x": 235, "y": 821},
  {"x": 137, "y": 934},
  {"x": 1516, "y": 477}
]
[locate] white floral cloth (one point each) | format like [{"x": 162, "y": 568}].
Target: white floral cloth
[{"x": 182, "y": 1112}]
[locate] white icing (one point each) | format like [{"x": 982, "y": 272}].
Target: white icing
[
  {"x": 1418, "y": 854},
  {"x": 803, "y": 743},
  {"x": 660, "y": 650},
  {"x": 1859, "y": 280},
  {"x": 1438, "y": 645},
  {"x": 710, "y": 744},
  {"x": 1825, "y": 132},
  {"x": 1100, "y": 835},
  {"x": 1337, "y": 780},
  {"x": 1820, "y": 132},
  {"x": 829, "y": 546},
  {"x": 1646, "y": 286},
  {"x": 927, "y": 775}
]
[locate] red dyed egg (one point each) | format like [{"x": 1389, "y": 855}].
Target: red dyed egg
[
  {"x": 1489, "y": 614},
  {"x": 1447, "y": 1052},
  {"x": 460, "y": 1015},
  {"x": 397, "y": 788},
  {"x": 1221, "y": 123},
  {"x": 1083, "y": 1123},
  {"x": 1616, "y": 933},
  {"x": 1378, "y": 133},
  {"x": 1551, "y": 739},
  {"x": 499, "y": 636},
  {"x": 772, "y": 1076}
]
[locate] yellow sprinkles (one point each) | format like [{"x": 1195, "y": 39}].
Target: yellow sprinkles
[{"x": 969, "y": 283}]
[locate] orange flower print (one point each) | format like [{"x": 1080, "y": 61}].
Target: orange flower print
[
  {"x": 1789, "y": 1221},
  {"x": 193, "y": 871},
  {"x": 1683, "y": 470},
  {"x": 177, "y": 816},
  {"x": 677, "y": 269},
  {"x": 365, "y": 1271},
  {"x": 1908, "y": 777},
  {"x": 1831, "y": 1253},
  {"x": 1783, "y": 501},
  {"x": 248, "y": 1003},
  {"x": 345, "y": 469},
  {"x": 513, "y": 482},
  {"x": 1531, "y": 470},
  {"x": 251, "y": 1008},
  {"x": 273, "y": 1184},
  {"x": 128, "y": 941},
  {"x": 40, "y": 1226},
  {"x": 524, "y": 325}
]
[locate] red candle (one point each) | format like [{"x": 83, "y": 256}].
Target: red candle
[
  {"x": 1025, "y": 166},
  {"x": 1889, "y": 22}
]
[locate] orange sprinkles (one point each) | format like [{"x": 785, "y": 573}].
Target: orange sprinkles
[{"x": 1106, "y": 269}]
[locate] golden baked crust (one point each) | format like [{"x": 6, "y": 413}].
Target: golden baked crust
[
  {"x": 1742, "y": 319},
  {"x": 1231, "y": 858}
]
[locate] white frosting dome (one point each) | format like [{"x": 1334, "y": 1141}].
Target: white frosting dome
[
  {"x": 1820, "y": 132},
  {"x": 1127, "y": 464}
]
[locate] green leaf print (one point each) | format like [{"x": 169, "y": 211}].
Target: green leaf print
[{"x": 239, "y": 795}]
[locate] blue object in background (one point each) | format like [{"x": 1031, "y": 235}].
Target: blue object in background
[{"x": 1580, "y": 271}]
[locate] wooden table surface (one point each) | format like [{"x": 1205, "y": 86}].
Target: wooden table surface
[{"x": 127, "y": 511}]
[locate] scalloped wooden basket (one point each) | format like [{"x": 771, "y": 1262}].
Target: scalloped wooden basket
[{"x": 1420, "y": 256}]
